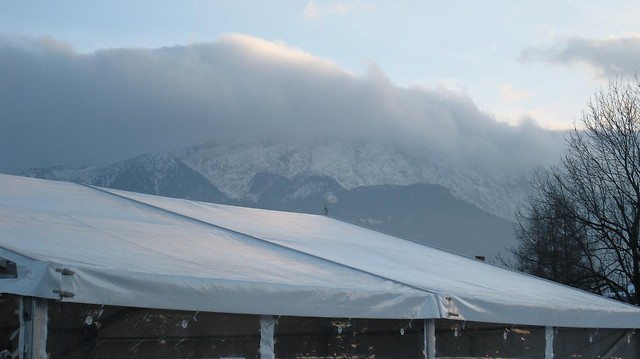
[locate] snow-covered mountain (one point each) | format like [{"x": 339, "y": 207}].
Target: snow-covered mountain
[
  {"x": 160, "y": 174},
  {"x": 231, "y": 168},
  {"x": 371, "y": 184}
]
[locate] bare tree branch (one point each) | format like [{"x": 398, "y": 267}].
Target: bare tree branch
[{"x": 582, "y": 226}]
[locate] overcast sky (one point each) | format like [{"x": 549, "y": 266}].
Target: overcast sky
[{"x": 96, "y": 82}]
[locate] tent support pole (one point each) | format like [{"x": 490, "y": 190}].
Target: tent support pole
[
  {"x": 548, "y": 336},
  {"x": 429, "y": 338},
  {"x": 33, "y": 328},
  {"x": 267, "y": 331}
]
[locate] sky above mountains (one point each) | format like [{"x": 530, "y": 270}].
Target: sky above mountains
[{"x": 479, "y": 82}]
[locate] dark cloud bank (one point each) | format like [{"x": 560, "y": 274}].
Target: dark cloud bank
[
  {"x": 610, "y": 57},
  {"x": 59, "y": 107}
]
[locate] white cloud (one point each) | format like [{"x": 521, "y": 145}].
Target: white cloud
[
  {"x": 277, "y": 52},
  {"x": 313, "y": 11}
]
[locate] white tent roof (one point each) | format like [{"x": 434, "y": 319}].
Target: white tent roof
[{"x": 132, "y": 249}]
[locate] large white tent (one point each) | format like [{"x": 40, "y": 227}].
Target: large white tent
[{"x": 82, "y": 244}]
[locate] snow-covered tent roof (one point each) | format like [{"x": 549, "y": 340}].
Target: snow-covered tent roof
[{"x": 140, "y": 250}]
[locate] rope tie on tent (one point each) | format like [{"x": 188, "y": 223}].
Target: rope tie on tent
[
  {"x": 63, "y": 294},
  {"x": 90, "y": 319},
  {"x": 341, "y": 325},
  {"x": 275, "y": 322},
  {"x": 60, "y": 292},
  {"x": 457, "y": 328},
  {"x": 406, "y": 327},
  {"x": 65, "y": 271},
  {"x": 185, "y": 322},
  {"x": 451, "y": 310}
]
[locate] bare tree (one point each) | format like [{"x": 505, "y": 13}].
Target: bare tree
[
  {"x": 552, "y": 245},
  {"x": 596, "y": 189}
]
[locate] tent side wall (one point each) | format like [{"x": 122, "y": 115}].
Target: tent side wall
[
  {"x": 80, "y": 330},
  {"x": 57, "y": 329}
]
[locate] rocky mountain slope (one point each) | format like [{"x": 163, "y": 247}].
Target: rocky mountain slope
[
  {"x": 353, "y": 164},
  {"x": 160, "y": 174}
]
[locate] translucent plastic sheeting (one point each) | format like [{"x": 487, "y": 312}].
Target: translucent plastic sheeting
[
  {"x": 96, "y": 332},
  {"x": 90, "y": 331},
  {"x": 9, "y": 325},
  {"x": 311, "y": 338},
  {"x": 487, "y": 340},
  {"x": 596, "y": 343}
]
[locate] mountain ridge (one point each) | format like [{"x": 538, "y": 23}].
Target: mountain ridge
[
  {"x": 231, "y": 168},
  {"x": 156, "y": 174},
  {"x": 424, "y": 212}
]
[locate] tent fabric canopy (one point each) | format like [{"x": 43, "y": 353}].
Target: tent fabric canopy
[{"x": 132, "y": 249}]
